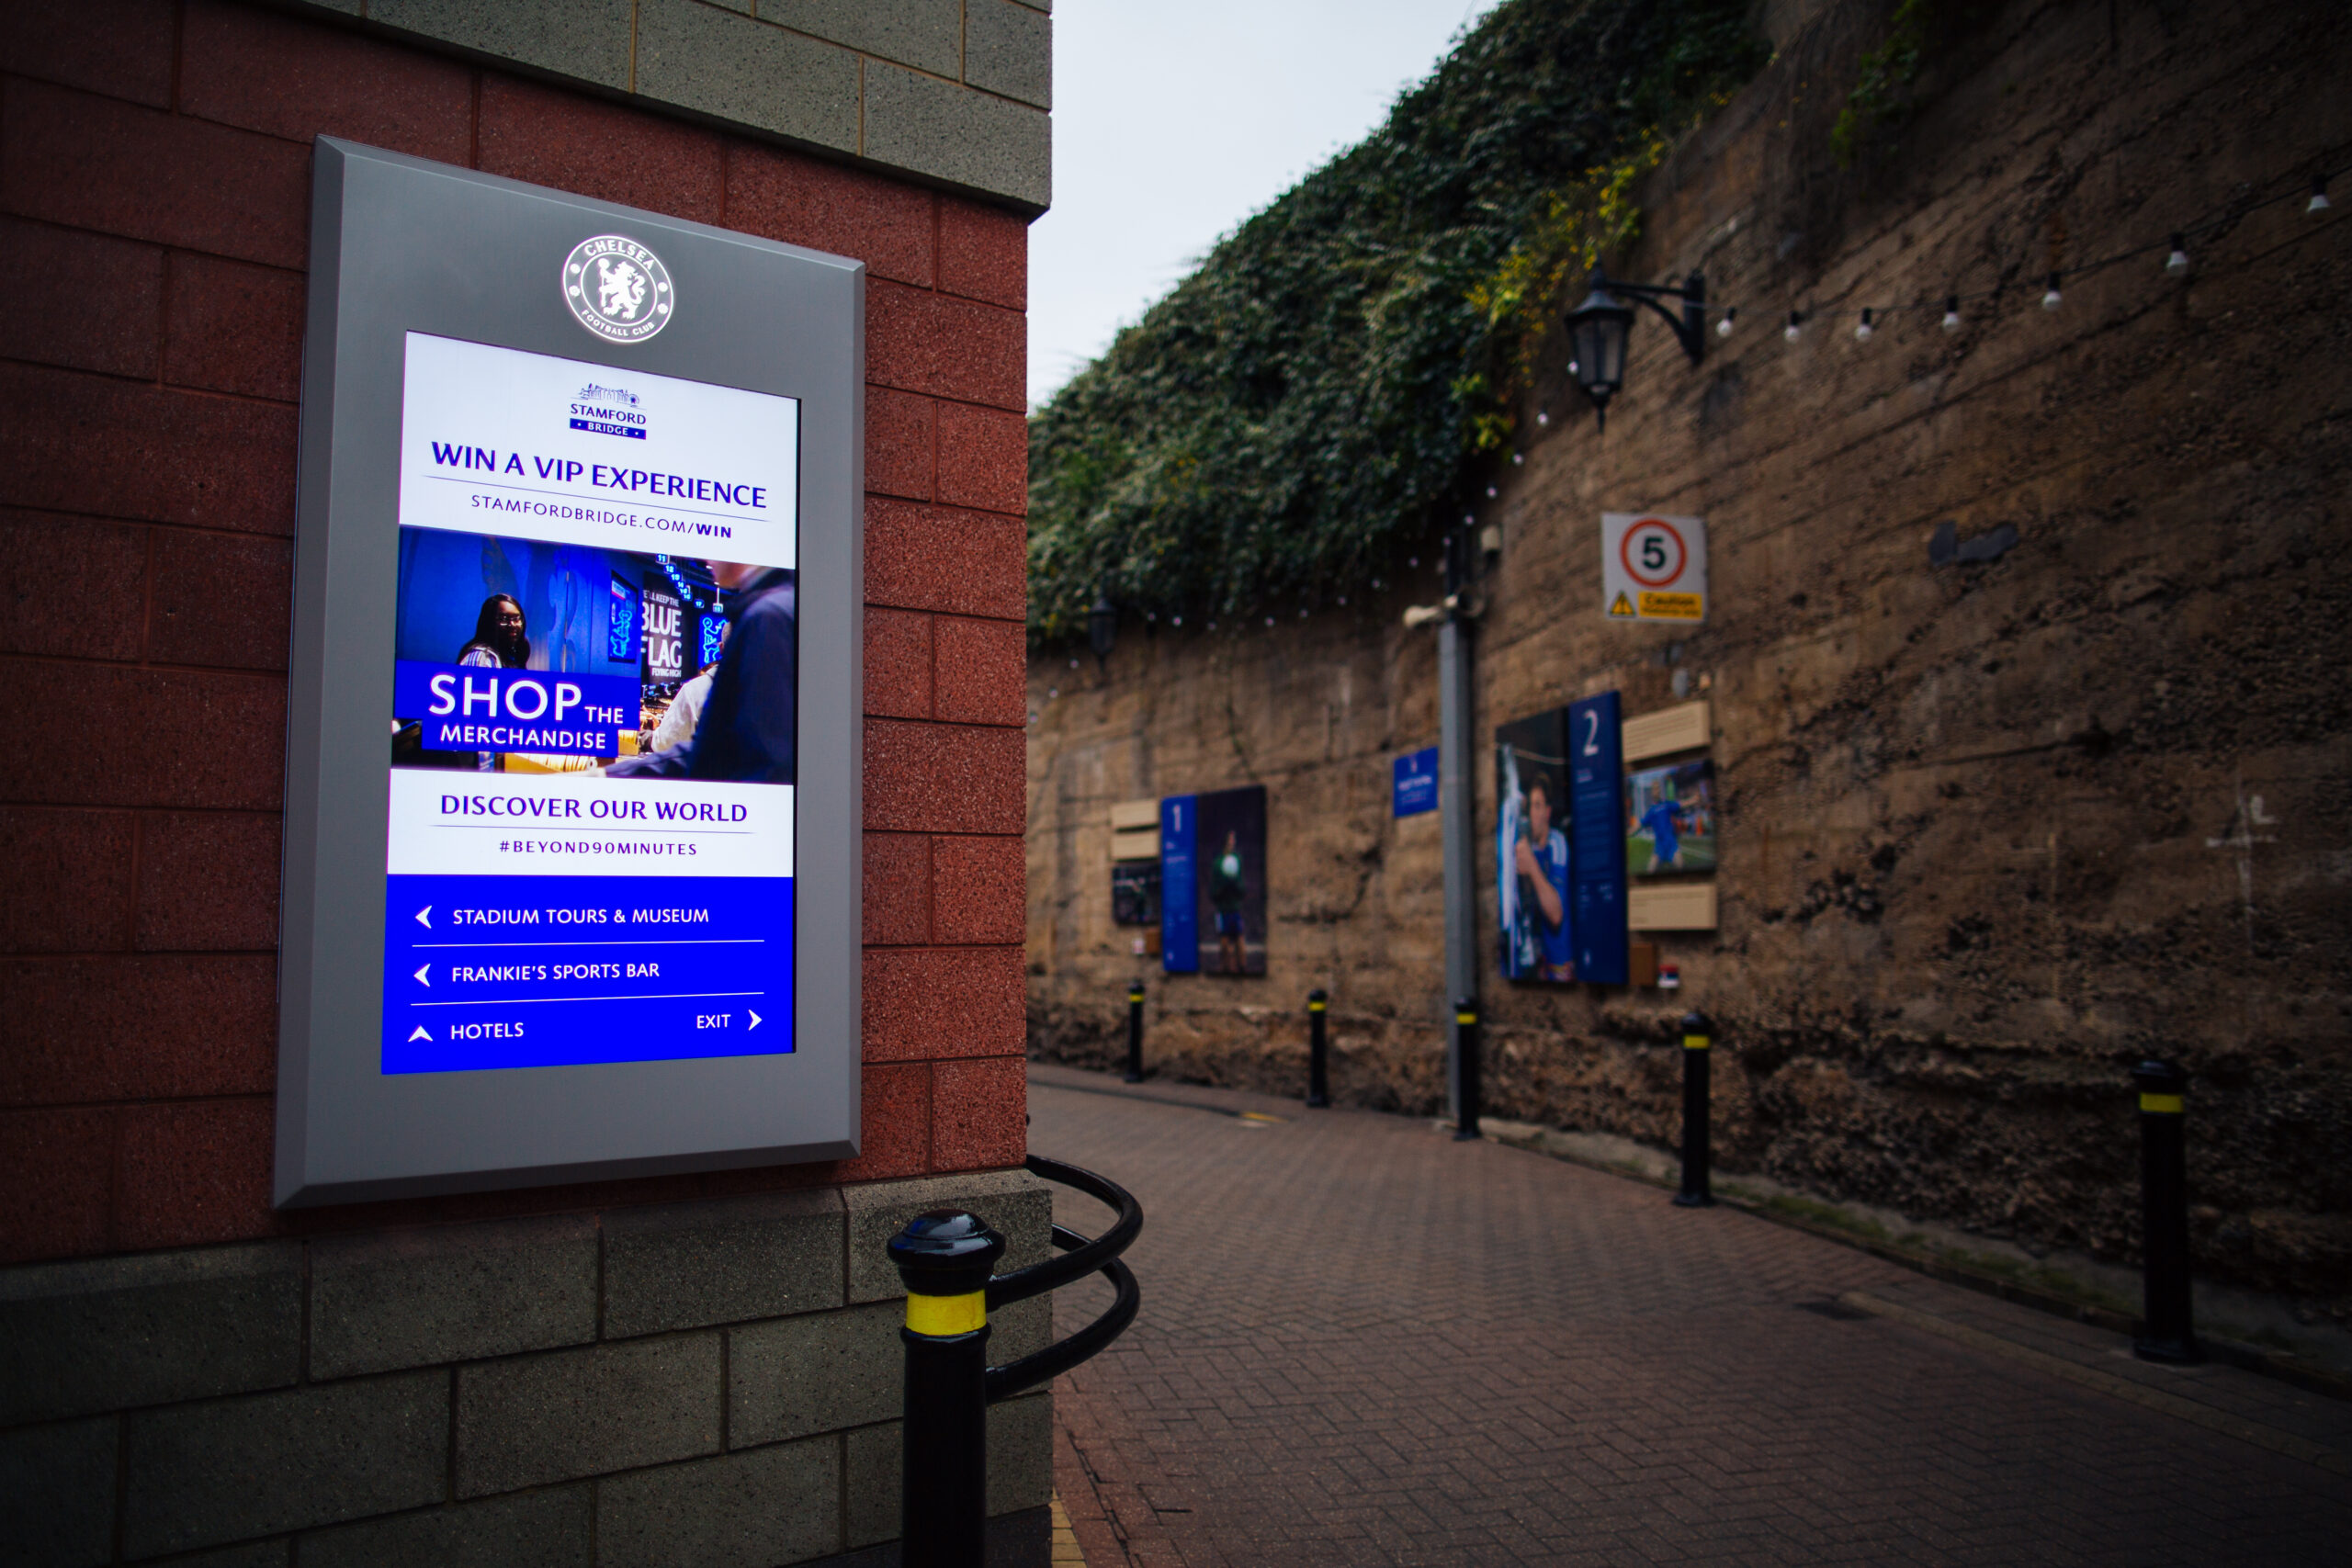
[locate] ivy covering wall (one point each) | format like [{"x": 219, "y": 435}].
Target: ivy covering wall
[{"x": 1273, "y": 431}]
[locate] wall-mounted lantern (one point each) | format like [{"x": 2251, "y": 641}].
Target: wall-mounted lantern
[
  {"x": 1101, "y": 629},
  {"x": 1597, "y": 331}
]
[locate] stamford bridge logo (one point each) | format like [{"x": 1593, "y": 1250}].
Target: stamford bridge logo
[{"x": 617, "y": 288}]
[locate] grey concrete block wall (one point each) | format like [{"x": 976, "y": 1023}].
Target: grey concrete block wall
[
  {"x": 956, "y": 92},
  {"x": 227, "y": 1470},
  {"x": 421, "y": 1299},
  {"x": 686, "y": 1265},
  {"x": 709, "y": 1382},
  {"x": 76, "y": 1337}
]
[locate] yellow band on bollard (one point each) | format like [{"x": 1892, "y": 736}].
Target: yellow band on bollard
[
  {"x": 938, "y": 1317},
  {"x": 1134, "y": 996},
  {"x": 1694, "y": 1043},
  {"x": 1466, "y": 1017},
  {"x": 2163, "y": 1104},
  {"x": 1315, "y": 1007}
]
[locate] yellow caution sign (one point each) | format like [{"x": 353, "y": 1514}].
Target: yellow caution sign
[
  {"x": 1673, "y": 606},
  {"x": 1620, "y": 605}
]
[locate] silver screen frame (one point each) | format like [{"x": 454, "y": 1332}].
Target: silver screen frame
[{"x": 401, "y": 244}]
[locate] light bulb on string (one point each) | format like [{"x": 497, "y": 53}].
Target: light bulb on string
[
  {"x": 1797, "y": 323},
  {"x": 1951, "y": 313},
  {"x": 1864, "y": 329},
  {"x": 1491, "y": 492},
  {"x": 1412, "y": 560},
  {"x": 1542, "y": 416},
  {"x": 2179, "y": 260},
  {"x": 1722, "y": 328},
  {"x": 1175, "y": 620},
  {"x": 2050, "y": 298},
  {"x": 1517, "y": 459},
  {"x": 2319, "y": 202}
]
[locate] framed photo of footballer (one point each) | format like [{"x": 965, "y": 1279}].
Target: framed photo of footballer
[
  {"x": 1227, "y": 844},
  {"x": 1533, "y": 861},
  {"x": 1671, "y": 819}
]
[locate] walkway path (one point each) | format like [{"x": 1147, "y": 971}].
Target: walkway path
[{"x": 1365, "y": 1343}]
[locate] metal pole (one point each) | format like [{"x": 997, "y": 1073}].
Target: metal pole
[
  {"x": 1465, "y": 1034},
  {"x": 944, "y": 1258},
  {"x": 2165, "y": 1334},
  {"x": 1698, "y": 1038},
  {"x": 1318, "y": 1088},
  {"x": 1456, "y": 795},
  {"x": 1135, "y": 1032}
]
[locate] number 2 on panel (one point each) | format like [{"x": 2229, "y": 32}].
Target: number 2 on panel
[{"x": 1592, "y": 735}]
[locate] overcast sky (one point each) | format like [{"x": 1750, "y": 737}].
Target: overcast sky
[{"x": 1174, "y": 122}]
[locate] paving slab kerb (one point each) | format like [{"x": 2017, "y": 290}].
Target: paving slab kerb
[{"x": 1363, "y": 1343}]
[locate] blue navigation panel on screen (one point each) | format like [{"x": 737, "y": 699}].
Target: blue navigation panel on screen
[{"x": 595, "y": 721}]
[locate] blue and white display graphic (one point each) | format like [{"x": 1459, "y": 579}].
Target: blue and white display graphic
[{"x": 590, "y": 849}]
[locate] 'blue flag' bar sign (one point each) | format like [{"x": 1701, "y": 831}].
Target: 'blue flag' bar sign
[{"x": 1415, "y": 785}]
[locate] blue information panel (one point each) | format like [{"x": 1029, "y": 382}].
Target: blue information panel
[
  {"x": 590, "y": 835},
  {"x": 1415, "y": 788},
  {"x": 543, "y": 971},
  {"x": 1180, "y": 915},
  {"x": 1596, "y": 835}
]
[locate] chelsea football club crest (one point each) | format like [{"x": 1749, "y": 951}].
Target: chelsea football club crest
[{"x": 617, "y": 288}]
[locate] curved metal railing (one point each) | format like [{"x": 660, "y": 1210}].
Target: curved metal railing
[{"x": 1080, "y": 1256}]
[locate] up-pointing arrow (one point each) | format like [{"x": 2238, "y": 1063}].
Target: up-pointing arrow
[
  {"x": 424, "y": 916},
  {"x": 422, "y": 1034},
  {"x": 420, "y": 974},
  {"x": 755, "y": 1020}
]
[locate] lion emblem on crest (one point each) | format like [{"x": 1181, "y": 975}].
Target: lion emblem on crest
[{"x": 617, "y": 288}]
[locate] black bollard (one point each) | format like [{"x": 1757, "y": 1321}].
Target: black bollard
[
  {"x": 1698, "y": 1038},
  {"x": 1318, "y": 1045},
  {"x": 944, "y": 1258},
  {"x": 1135, "y": 1032},
  {"x": 2165, "y": 1333},
  {"x": 1466, "y": 1023}
]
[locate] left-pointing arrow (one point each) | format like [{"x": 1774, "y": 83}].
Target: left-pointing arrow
[
  {"x": 420, "y": 974},
  {"x": 424, "y": 916}
]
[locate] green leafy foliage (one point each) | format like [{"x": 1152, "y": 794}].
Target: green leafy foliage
[
  {"x": 1882, "y": 91},
  {"x": 1306, "y": 400}
]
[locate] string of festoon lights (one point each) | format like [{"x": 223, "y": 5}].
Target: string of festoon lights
[
  {"x": 2179, "y": 249},
  {"x": 2176, "y": 248}
]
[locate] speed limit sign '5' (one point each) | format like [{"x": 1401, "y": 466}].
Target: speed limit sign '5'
[{"x": 1653, "y": 567}]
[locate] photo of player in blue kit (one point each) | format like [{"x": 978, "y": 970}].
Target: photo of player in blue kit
[
  {"x": 1670, "y": 820},
  {"x": 1533, "y": 856}
]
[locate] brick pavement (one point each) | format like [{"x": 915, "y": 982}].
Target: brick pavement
[{"x": 1363, "y": 1343}]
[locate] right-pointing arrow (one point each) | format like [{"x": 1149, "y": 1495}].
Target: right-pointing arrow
[{"x": 755, "y": 1019}]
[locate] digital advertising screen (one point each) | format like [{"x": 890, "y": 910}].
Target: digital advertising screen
[{"x": 596, "y": 702}]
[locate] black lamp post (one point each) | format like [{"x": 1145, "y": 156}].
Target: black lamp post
[
  {"x": 1101, "y": 629},
  {"x": 1597, "y": 331}
]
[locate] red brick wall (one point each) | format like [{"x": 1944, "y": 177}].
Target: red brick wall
[{"x": 154, "y": 195}]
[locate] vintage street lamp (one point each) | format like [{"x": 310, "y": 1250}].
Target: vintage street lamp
[
  {"x": 1101, "y": 629},
  {"x": 1597, "y": 331}
]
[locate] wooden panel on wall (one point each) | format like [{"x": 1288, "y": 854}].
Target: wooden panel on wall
[
  {"x": 1131, "y": 814},
  {"x": 1139, "y": 843},
  {"x": 1672, "y": 906},
  {"x": 1680, "y": 728}
]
